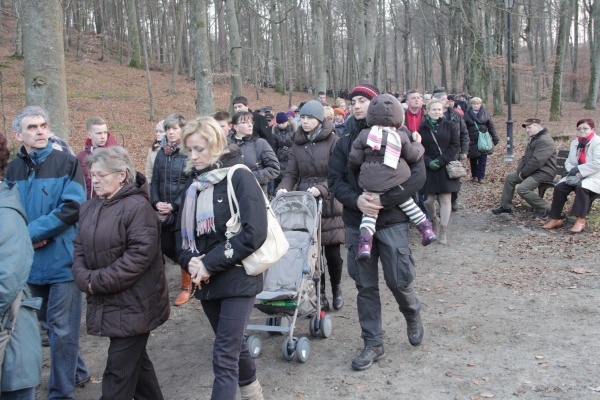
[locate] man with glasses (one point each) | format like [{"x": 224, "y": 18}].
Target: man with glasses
[
  {"x": 51, "y": 188},
  {"x": 98, "y": 136}
]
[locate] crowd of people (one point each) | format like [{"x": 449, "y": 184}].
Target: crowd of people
[{"x": 93, "y": 225}]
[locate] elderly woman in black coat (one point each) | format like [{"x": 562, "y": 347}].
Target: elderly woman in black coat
[
  {"x": 227, "y": 293},
  {"x": 478, "y": 119},
  {"x": 117, "y": 262},
  {"x": 442, "y": 145}
]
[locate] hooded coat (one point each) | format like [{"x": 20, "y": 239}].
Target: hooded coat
[
  {"x": 87, "y": 150},
  {"x": 308, "y": 166},
  {"x": 168, "y": 177},
  {"x": 375, "y": 176},
  {"x": 22, "y": 364},
  {"x": 117, "y": 251}
]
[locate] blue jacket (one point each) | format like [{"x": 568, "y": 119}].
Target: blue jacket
[
  {"x": 52, "y": 189},
  {"x": 23, "y": 358}
]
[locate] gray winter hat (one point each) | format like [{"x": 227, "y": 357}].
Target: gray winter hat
[{"x": 313, "y": 109}]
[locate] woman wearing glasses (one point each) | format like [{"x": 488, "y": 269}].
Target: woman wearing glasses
[{"x": 117, "y": 262}]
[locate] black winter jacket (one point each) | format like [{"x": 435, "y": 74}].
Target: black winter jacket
[
  {"x": 168, "y": 178},
  {"x": 283, "y": 141},
  {"x": 448, "y": 141},
  {"x": 258, "y": 155},
  {"x": 459, "y": 122},
  {"x": 343, "y": 183},
  {"x": 228, "y": 278},
  {"x": 473, "y": 121}
]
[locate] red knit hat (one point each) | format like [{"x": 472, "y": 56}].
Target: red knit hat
[{"x": 365, "y": 90}]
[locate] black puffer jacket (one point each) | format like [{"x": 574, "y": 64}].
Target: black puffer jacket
[
  {"x": 343, "y": 183},
  {"x": 228, "y": 277},
  {"x": 283, "y": 141},
  {"x": 473, "y": 121},
  {"x": 168, "y": 178},
  {"x": 459, "y": 122},
  {"x": 117, "y": 250},
  {"x": 258, "y": 155},
  {"x": 308, "y": 167}
]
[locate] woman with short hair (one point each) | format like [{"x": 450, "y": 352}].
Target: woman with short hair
[
  {"x": 478, "y": 119},
  {"x": 117, "y": 262},
  {"x": 227, "y": 293},
  {"x": 168, "y": 180},
  {"x": 442, "y": 145},
  {"x": 583, "y": 177}
]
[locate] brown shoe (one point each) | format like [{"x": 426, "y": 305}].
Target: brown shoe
[
  {"x": 185, "y": 294},
  {"x": 579, "y": 225},
  {"x": 554, "y": 224}
]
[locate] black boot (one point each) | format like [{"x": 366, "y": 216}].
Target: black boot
[
  {"x": 338, "y": 299},
  {"x": 324, "y": 302}
]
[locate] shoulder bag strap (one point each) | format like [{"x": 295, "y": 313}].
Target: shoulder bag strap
[
  {"x": 13, "y": 311},
  {"x": 436, "y": 142}
]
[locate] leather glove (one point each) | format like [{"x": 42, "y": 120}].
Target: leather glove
[
  {"x": 573, "y": 171},
  {"x": 463, "y": 157},
  {"x": 434, "y": 165}
]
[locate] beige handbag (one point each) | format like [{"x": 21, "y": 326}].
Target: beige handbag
[{"x": 274, "y": 247}]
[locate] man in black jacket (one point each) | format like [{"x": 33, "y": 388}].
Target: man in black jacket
[
  {"x": 390, "y": 243},
  {"x": 261, "y": 126}
]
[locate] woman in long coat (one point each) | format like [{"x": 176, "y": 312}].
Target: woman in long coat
[
  {"x": 117, "y": 262},
  {"x": 307, "y": 169},
  {"x": 478, "y": 119},
  {"x": 441, "y": 141}
]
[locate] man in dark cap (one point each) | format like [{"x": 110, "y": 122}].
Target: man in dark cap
[
  {"x": 537, "y": 166},
  {"x": 390, "y": 243}
]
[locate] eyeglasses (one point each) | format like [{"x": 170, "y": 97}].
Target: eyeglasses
[{"x": 100, "y": 175}]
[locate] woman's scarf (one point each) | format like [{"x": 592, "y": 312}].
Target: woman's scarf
[
  {"x": 200, "y": 206},
  {"x": 170, "y": 147},
  {"x": 581, "y": 146},
  {"x": 432, "y": 122},
  {"x": 392, "y": 148}
]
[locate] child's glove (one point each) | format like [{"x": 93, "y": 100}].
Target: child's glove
[{"x": 434, "y": 165}]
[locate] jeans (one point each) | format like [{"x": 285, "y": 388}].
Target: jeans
[
  {"x": 525, "y": 189},
  {"x": 233, "y": 364},
  {"x": 22, "y": 394},
  {"x": 478, "y": 166},
  {"x": 390, "y": 246},
  {"x": 60, "y": 314}
]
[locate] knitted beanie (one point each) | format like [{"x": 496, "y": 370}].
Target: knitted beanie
[
  {"x": 385, "y": 110},
  {"x": 281, "y": 118},
  {"x": 160, "y": 127},
  {"x": 313, "y": 109},
  {"x": 291, "y": 114},
  {"x": 365, "y": 90}
]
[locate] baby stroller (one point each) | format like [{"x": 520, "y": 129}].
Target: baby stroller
[{"x": 291, "y": 286}]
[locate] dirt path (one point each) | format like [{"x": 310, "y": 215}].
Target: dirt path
[{"x": 505, "y": 316}]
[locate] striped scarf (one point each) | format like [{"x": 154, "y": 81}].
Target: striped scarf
[
  {"x": 198, "y": 208},
  {"x": 392, "y": 148}
]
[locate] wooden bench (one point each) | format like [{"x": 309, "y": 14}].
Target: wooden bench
[{"x": 560, "y": 163}]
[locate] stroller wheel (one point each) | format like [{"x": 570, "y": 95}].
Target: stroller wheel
[
  {"x": 274, "y": 321},
  {"x": 326, "y": 326},
  {"x": 302, "y": 349},
  {"x": 288, "y": 349},
  {"x": 254, "y": 345},
  {"x": 313, "y": 326}
]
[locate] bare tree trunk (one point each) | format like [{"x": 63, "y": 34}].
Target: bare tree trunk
[
  {"x": 318, "y": 46},
  {"x": 276, "y": 42},
  {"x": 235, "y": 51},
  {"x": 44, "y": 70},
  {"x": 18, "y": 29},
  {"x": 148, "y": 77},
  {"x": 594, "y": 38},
  {"x": 134, "y": 34},
  {"x": 366, "y": 38},
  {"x": 564, "y": 24},
  {"x": 222, "y": 37},
  {"x": 178, "y": 46},
  {"x": 575, "y": 54},
  {"x": 205, "y": 102}
]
